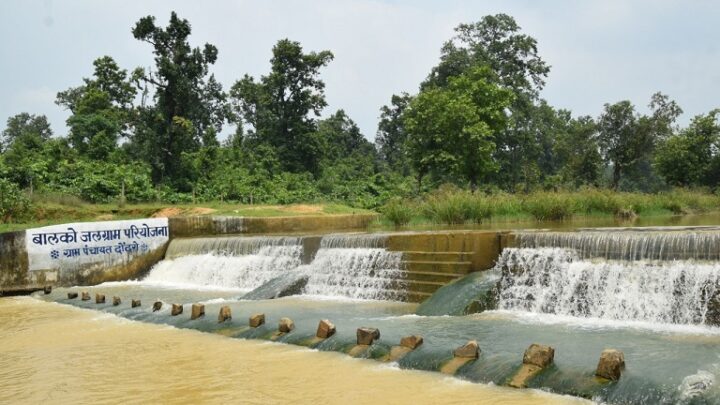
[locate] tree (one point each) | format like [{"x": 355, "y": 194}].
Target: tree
[
  {"x": 689, "y": 158},
  {"x": 391, "y": 136},
  {"x": 278, "y": 106},
  {"x": 23, "y": 141},
  {"x": 623, "y": 141},
  {"x": 577, "y": 151},
  {"x": 451, "y": 129},
  {"x": 189, "y": 103}
]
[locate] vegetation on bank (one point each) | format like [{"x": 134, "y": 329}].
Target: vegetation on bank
[
  {"x": 450, "y": 205},
  {"x": 150, "y": 137}
]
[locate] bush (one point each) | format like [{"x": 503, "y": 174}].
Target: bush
[
  {"x": 549, "y": 206},
  {"x": 14, "y": 206},
  {"x": 398, "y": 212}
]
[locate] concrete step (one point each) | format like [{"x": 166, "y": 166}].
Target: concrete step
[
  {"x": 437, "y": 256},
  {"x": 413, "y": 296},
  {"x": 432, "y": 276},
  {"x": 423, "y": 286},
  {"x": 457, "y": 267}
]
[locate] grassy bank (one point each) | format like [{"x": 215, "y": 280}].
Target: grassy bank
[
  {"x": 452, "y": 206},
  {"x": 62, "y": 210}
]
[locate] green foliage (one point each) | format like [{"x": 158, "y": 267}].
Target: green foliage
[
  {"x": 398, "y": 212},
  {"x": 14, "y": 206}
]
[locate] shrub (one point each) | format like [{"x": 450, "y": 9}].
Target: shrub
[
  {"x": 398, "y": 212},
  {"x": 549, "y": 206},
  {"x": 14, "y": 206}
]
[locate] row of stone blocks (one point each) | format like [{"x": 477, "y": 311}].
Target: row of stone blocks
[{"x": 535, "y": 359}]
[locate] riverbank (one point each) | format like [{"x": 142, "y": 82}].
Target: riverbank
[{"x": 60, "y": 354}]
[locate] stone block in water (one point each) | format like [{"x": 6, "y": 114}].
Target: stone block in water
[
  {"x": 225, "y": 314},
  {"x": 135, "y": 303},
  {"x": 611, "y": 364},
  {"x": 411, "y": 342},
  {"x": 257, "y": 320},
  {"x": 539, "y": 355},
  {"x": 99, "y": 298},
  {"x": 72, "y": 295},
  {"x": 366, "y": 336},
  {"x": 116, "y": 301},
  {"x": 85, "y": 296},
  {"x": 470, "y": 350},
  {"x": 197, "y": 311},
  {"x": 177, "y": 309},
  {"x": 286, "y": 325},
  {"x": 157, "y": 306},
  {"x": 47, "y": 289},
  {"x": 325, "y": 329}
]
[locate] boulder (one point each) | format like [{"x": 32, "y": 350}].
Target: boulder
[
  {"x": 116, "y": 301},
  {"x": 539, "y": 355},
  {"x": 157, "y": 306},
  {"x": 197, "y": 311},
  {"x": 411, "y": 342},
  {"x": 611, "y": 364},
  {"x": 177, "y": 309},
  {"x": 366, "y": 336},
  {"x": 47, "y": 289},
  {"x": 136, "y": 303},
  {"x": 286, "y": 325},
  {"x": 469, "y": 350},
  {"x": 225, "y": 314},
  {"x": 257, "y": 320},
  {"x": 85, "y": 296},
  {"x": 325, "y": 329},
  {"x": 99, "y": 298},
  {"x": 72, "y": 295}
]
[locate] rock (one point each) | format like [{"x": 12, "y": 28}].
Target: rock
[
  {"x": 285, "y": 285},
  {"x": 225, "y": 314},
  {"x": 539, "y": 355},
  {"x": 286, "y": 325},
  {"x": 85, "y": 296},
  {"x": 157, "y": 306},
  {"x": 325, "y": 329},
  {"x": 116, "y": 301},
  {"x": 257, "y": 320},
  {"x": 411, "y": 342},
  {"x": 469, "y": 350},
  {"x": 136, "y": 303},
  {"x": 366, "y": 336},
  {"x": 99, "y": 298},
  {"x": 47, "y": 289},
  {"x": 611, "y": 364},
  {"x": 72, "y": 295},
  {"x": 177, "y": 309},
  {"x": 197, "y": 311}
]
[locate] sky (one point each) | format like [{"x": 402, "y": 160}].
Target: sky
[{"x": 600, "y": 51}]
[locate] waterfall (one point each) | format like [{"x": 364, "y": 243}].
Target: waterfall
[
  {"x": 345, "y": 265},
  {"x": 563, "y": 281},
  {"x": 229, "y": 262},
  {"x": 620, "y": 244}
]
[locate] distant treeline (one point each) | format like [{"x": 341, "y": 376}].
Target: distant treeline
[{"x": 477, "y": 121}]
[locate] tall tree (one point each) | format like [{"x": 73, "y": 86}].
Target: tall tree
[
  {"x": 577, "y": 151},
  {"x": 391, "y": 136},
  {"x": 22, "y": 142},
  {"x": 189, "y": 103},
  {"x": 451, "y": 129},
  {"x": 279, "y": 107}
]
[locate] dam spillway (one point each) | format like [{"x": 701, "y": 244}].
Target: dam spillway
[{"x": 648, "y": 293}]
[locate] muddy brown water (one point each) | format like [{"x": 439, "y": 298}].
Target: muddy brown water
[{"x": 54, "y": 353}]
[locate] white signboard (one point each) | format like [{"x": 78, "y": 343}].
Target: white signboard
[{"x": 109, "y": 242}]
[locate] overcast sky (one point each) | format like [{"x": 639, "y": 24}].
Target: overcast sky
[{"x": 600, "y": 51}]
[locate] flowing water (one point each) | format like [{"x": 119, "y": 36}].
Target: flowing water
[{"x": 54, "y": 353}]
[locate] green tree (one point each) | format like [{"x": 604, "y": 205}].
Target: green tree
[
  {"x": 278, "y": 107},
  {"x": 578, "y": 152},
  {"x": 189, "y": 102},
  {"x": 23, "y": 142},
  {"x": 689, "y": 158},
  {"x": 391, "y": 136},
  {"x": 452, "y": 129}
]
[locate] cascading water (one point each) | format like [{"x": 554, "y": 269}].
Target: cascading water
[
  {"x": 353, "y": 266},
  {"x": 230, "y": 262},
  {"x": 630, "y": 276}
]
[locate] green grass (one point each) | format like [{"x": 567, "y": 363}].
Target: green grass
[{"x": 456, "y": 207}]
